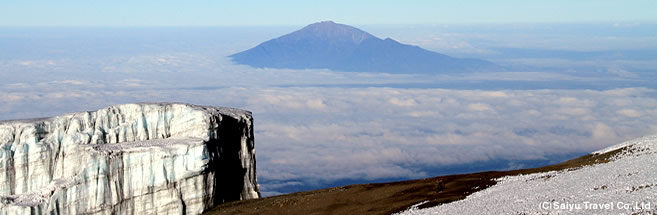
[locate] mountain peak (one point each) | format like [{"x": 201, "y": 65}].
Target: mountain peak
[
  {"x": 329, "y": 30},
  {"x": 340, "y": 47},
  {"x": 328, "y": 22}
]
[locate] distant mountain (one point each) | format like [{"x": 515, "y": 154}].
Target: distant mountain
[{"x": 341, "y": 47}]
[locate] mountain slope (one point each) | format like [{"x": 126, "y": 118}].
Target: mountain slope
[
  {"x": 341, "y": 47},
  {"x": 387, "y": 198},
  {"x": 625, "y": 185}
]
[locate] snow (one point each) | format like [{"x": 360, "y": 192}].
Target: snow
[
  {"x": 135, "y": 158},
  {"x": 626, "y": 185}
]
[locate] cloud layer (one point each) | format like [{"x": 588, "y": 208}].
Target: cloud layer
[
  {"x": 313, "y": 135},
  {"x": 316, "y": 128}
]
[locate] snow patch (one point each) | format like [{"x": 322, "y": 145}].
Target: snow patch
[{"x": 625, "y": 185}]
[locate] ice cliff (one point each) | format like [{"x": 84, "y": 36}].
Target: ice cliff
[{"x": 147, "y": 158}]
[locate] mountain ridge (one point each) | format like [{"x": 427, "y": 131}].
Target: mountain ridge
[{"x": 334, "y": 46}]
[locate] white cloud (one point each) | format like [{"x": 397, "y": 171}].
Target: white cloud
[
  {"x": 17, "y": 85},
  {"x": 71, "y": 82},
  {"x": 7, "y": 97},
  {"x": 315, "y": 104},
  {"x": 495, "y": 94},
  {"x": 130, "y": 82},
  {"x": 630, "y": 112},
  {"x": 424, "y": 114},
  {"x": 479, "y": 107},
  {"x": 567, "y": 100},
  {"x": 403, "y": 102},
  {"x": 25, "y": 63},
  {"x": 575, "y": 111},
  {"x": 318, "y": 135},
  {"x": 622, "y": 72},
  {"x": 603, "y": 132}
]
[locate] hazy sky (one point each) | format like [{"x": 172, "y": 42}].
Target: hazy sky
[{"x": 300, "y": 12}]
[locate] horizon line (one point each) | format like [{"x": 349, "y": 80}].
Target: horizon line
[{"x": 625, "y": 22}]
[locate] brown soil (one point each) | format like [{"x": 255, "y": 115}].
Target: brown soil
[{"x": 387, "y": 198}]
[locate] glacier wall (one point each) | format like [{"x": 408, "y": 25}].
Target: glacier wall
[{"x": 146, "y": 158}]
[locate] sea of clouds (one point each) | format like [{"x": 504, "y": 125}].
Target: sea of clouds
[{"x": 317, "y": 128}]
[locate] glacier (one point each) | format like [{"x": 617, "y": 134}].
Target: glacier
[{"x": 145, "y": 158}]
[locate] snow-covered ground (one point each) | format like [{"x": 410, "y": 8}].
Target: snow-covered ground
[{"x": 626, "y": 185}]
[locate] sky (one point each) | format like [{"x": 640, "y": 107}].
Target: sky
[{"x": 301, "y": 12}]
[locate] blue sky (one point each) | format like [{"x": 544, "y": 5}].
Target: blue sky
[{"x": 300, "y": 12}]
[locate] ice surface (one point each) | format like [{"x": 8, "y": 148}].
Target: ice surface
[
  {"x": 142, "y": 158},
  {"x": 626, "y": 185}
]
